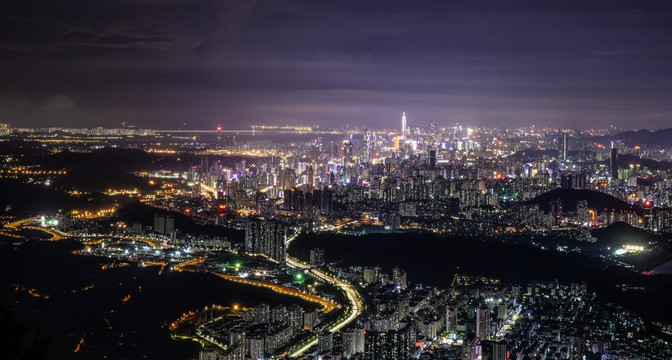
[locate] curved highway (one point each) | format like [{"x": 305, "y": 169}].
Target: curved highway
[{"x": 356, "y": 305}]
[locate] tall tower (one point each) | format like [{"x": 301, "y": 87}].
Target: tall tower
[
  {"x": 347, "y": 152},
  {"x": 483, "y": 322},
  {"x": 613, "y": 161},
  {"x": 403, "y": 126},
  {"x": 564, "y": 147},
  {"x": 451, "y": 320},
  {"x": 432, "y": 159},
  {"x": 311, "y": 175},
  {"x": 366, "y": 144}
]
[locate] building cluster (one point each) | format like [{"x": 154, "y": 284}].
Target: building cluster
[
  {"x": 481, "y": 319},
  {"x": 469, "y": 180},
  {"x": 260, "y": 332},
  {"x": 266, "y": 237}
]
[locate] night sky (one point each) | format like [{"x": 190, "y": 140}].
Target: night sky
[{"x": 164, "y": 63}]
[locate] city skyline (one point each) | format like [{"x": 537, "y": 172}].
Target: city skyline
[
  {"x": 197, "y": 65},
  {"x": 449, "y": 243},
  {"x": 336, "y": 180}
]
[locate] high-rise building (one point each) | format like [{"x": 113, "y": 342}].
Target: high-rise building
[
  {"x": 325, "y": 342},
  {"x": 451, "y": 320},
  {"x": 348, "y": 343},
  {"x": 493, "y": 350},
  {"x": 311, "y": 175},
  {"x": 432, "y": 159},
  {"x": 502, "y": 311},
  {"x": 483, "y": 322},
  {"x": 317, "y": 257},
  {"x": 613, "y": 161},
  {"x": 556, "y": 212},
  {"x": 371, "y": 275},
  {"x": 353, "y": 342},
  {"x": 160, "y": 224},
  {"x": 255, "y": 347},
  {"x": 208, "y": 354},
  {"x": 287, "y": 179},
  {"x": 582, "y": 213},
  {"x": 399, "y": 277},
  {"x": 266, "y": 237},
  {"x": 564, "y": 146},
  {"x": 310, "y": 319},
  {"x": 205, "y": 165},
  {"x": 391, "y": 345},
  {"x": 295, "y": 319},
  {"x": 347, "y": 152},
  {"x": 366, "y": 147},
  {"x": 403, "y": 126},
  {"x": 170, "y": 224},
  {"x": 262, "y": 314}
]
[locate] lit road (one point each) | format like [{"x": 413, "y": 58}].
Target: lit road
[
  {"x": 16, "y": 224},
  {"x": 356, "y": 304},
  {"x": 196, "y": 264},
  {"x": 55, "y": 234},
  {"x": 153, "y": 242},
  {"x": 208, "y": 188},
  {"x": 59, "y": 235}
]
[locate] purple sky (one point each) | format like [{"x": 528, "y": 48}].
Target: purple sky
[{"x": 163, "y": 63}]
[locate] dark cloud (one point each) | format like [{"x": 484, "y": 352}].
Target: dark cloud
[{"x": 163, "y": 63}]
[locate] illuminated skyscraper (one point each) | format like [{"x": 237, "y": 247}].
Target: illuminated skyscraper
[
  {"x": 564, "y": 146},
  {"x": 403, "y": 126},
  {"x": 311, "y": 175},
  {"x": 347, "y": 152},
  {"x": 399, "y": 277},
  {"x": 556, "y": 212},
  {"x": 613, "y": 161},
  {"x": 366, "y": 145}
]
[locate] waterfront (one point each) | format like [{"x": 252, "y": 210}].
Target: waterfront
[{"x": 119, "y": 311}]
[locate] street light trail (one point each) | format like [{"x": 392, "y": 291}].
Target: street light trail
[{"x": 356, "y": 304}]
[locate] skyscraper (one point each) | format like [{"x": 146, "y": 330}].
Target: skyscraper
[
  {"x": 347, "y": 152},
  {"x": 483, "y": 322},
  {"x": 325, "y": 341},
  {"x": 432, "y": 159},
  {"x": 266, "y": 237},
  {"x": 311, "y": 175},
  {"x": 399, "y": 277},
  {"x": 556, "y": 212},
  {"x": 403, "y": 126},
  {"x": 288, "y": 179},
  {"x": 353, "y": 342},
  {"x": 613, "y": 161},
  {"x": 170, "y": 224},
  {"x": 564, "y": 146},
  {"x": 493, "y": 350},
  {"x": 160, "y": 223},
  {"x": 366, "y": 145},
  {"x": 582, "y": 214},
  {"x": 451, "y": 320},
  {"x": 317, "y": 257}
]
